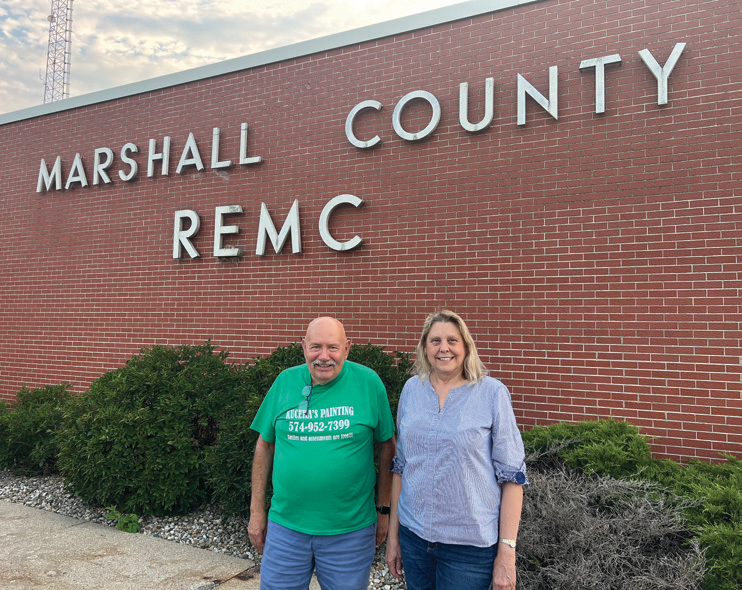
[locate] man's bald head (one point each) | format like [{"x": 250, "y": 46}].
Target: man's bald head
[{"x": 325, "y": 349}]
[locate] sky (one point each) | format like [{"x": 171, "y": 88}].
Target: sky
[{"x": 119, "y": 42}]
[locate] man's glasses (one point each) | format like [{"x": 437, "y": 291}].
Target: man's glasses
[{"x": 307, "y": 393}]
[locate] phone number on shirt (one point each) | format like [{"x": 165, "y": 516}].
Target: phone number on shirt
[{"x": 328, "y": 426}]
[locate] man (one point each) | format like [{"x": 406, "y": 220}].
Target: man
[{"x": 317, "y": 425}]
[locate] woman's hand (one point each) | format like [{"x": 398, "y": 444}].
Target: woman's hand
[
  {"x": 503, "y": 577},
  {"x": 511, "y": 505},
  {"x": 393, "y": 557},
  {"x": 503, "y": 573}
]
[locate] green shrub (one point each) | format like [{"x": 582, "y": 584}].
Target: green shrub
[
  {"x": 607, "y": 447},
  {"x": 718, "y": 518},
  {"x": 5, "y": 410},
  {"x": 138, "y": 437},
  {"x": 264, "y": 370},
  {"x": 723, "y": 544},
  {"x": 230, "y": 462},
  {"x": 28, "y": 430}
]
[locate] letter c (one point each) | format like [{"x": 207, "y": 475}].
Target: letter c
[
  {"x": 366, "y": 104},
  {"x": 324, "y": 221}
]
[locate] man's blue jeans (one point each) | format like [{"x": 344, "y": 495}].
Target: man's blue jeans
[
  {"x": 342, "y": 562},
  {"x": 441, "y": 566}
]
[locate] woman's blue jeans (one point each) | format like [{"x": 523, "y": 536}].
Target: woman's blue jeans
[{"x": 441, "y": 566}]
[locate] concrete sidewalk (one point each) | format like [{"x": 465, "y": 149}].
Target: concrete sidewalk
[{"x": 42, "y": 549}]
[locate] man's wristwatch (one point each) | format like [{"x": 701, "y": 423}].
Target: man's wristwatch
[
  {"x": 508, "y": 542},
  {"x": 383, "y": 509}
]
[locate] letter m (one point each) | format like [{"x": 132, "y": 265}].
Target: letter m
[
  {"x": 266, "y": 228},
  {"x": 46, "y": 177}
]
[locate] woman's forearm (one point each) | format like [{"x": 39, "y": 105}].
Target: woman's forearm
[
  {"x": 511, "y": 505},
  {"x": 393, "y": 553}
]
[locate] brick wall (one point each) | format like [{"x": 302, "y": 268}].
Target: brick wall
[{"x": 594, "y": 257}]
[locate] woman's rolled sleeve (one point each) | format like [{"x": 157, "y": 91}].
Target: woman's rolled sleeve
[
  {"x": 508, "y": 454},
  {"x": 397, "y": 465},
  {"x": 508, "y": 474}
]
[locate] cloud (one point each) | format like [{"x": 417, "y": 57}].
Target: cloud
[{"x": 116, "y": 43}]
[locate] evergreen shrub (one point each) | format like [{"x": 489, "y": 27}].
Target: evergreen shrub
[
  {"x": 228, "y": 464},
  {"x": 137, "y": 438},
  {"x": 607, "y": 447},
  {"x": 717, "y": 520},
  {"x": 28, "y": 429}
]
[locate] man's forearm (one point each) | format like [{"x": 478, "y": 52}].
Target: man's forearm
[
  {"x": 262, "y": 467},
  {"x": 384, "y": 486},
  {"x": 387, "y": 449}
]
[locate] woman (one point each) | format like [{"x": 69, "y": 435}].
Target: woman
[{"x": 457, "y": 487}]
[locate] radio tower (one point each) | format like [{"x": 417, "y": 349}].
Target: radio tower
[{"x": 57, "y": 82}]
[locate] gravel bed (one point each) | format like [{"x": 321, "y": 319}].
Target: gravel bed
[{"x": 204, "y": 528}]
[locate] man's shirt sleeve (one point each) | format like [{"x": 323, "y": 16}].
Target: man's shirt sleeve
[
  {"x": 265, "y": 419},
  {"x": 385, "y": 428}
]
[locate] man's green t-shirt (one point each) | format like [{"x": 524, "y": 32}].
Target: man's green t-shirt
[{"x": 323, "y": 467}]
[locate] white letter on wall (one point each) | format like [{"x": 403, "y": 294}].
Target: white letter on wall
[
  {"x": 99, "y": 168},
  {"x": 324, "y": 223},
  {"x": 182, "y": 237},
  {"x": 220, "y": 230},
  {"x": 215, "y": 163},
  {"x": 129, "y": 147},
  {"x": 77, "y": 173},
  {"x": 191, "y": 149},
  {"x": 164, "y": 156},
  {"x": 266, "y": 227},
  {"x": 525, "y": 87},
  {"x": 489, "y": 106},
  {"x": 662, "y": 74},
  {"x": 45, "y": 177},
  {"x": 599, "y": 65},
  {"x": 350, "y": 134},
  {"x": 434, "y": 119},
  {"x": 243, "y": 148}
]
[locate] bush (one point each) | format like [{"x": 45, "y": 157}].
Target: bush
[
  {"x": 718, "y": 518},
  {"x": 607, "y": 447},
  {"x": 582, "y": 531},
  {"x": 230, "y": 462},
  {"x": 723, "y": 544},
  {"x": 617, "y": 449},
  {"x": 28, "y": 429},
  {"x": 138, "y": 437}
]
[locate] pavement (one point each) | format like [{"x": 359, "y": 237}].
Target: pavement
[{"x": 40, "y": 549}]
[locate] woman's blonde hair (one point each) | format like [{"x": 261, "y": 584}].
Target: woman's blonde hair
[{"x": 473, "y": 368}]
